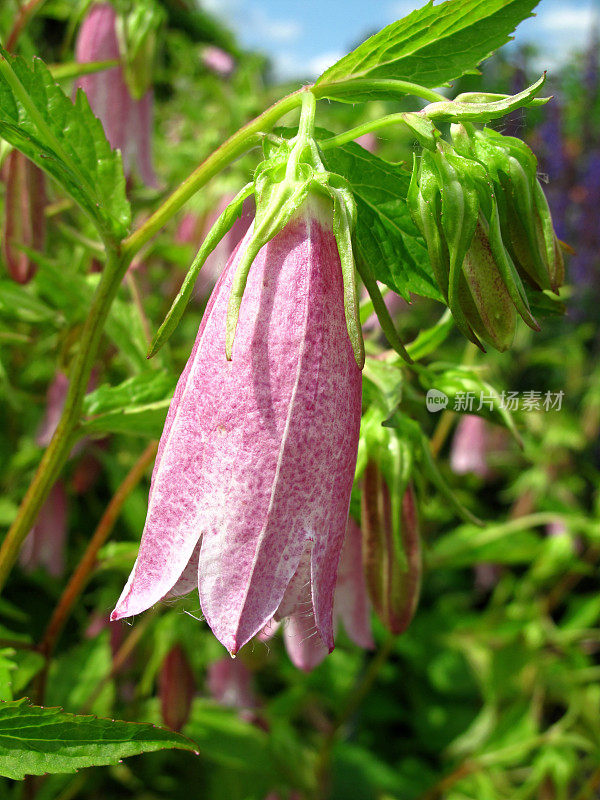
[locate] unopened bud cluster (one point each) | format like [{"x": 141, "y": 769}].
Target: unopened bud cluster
[{"x": 487, "y": 226}]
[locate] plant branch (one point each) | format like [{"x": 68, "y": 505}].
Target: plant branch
[
  {"x": 25, "y": 13},
  {"x": 237, "y": 144},
  {"x": 65, "y": 435}
]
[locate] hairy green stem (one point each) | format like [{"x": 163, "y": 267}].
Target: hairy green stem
[
  {"x": 360, "y": 130},
  {"x": 365, "y": 85},
  {"x": 220, "y": 158}
]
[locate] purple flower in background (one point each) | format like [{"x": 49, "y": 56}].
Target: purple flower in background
[
  {"x": 368, "y": 141},
  {"x": 470, "y": 447},
  {"x": 176, "y": 688},
  {"x": 127, "y": 122},
  {"x": 55, "y": 401},
  {"x": 218, "y": 61},
  {"x": 251, "y": 486},
  {"x": 230, "y": 683},
  {"x": 351, "y": 606},
  {"x": 45, "y": 544},
  {"x": 24, "y": 217}
]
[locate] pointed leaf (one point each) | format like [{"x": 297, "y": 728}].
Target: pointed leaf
[
  {"x": 65, "y": 139},
  {"x": 35, "y": 740},
  {"x": 431, "y": 46}
]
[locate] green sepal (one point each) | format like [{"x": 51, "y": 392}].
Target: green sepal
[
  {"x": 423, "y": 129},
  {"x": 461, "y": 109},
  {"x": 216, "y": 233},
  {"x": 380, "y": 308},
  {"x": 276, "y": 203},
  {"x": 459, "y": 215},
  {"x": 508, "y": 271},
  {"x": 344, "y": 220},
  {"x": 137, "y": 28}
]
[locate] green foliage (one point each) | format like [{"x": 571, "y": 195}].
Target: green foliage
[
  {"x": 65, "y": 139},
  {"x": 431, "y": 46},
  {"x": 386, "y": 238},
  {"x": 36, "y": 740}
]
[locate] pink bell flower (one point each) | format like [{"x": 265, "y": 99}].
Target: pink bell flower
[
  {"x": 470, "y": 447},
  {"x": 252, "y": 481},
  {"x": 127, "y": 122},
  {"x": 351, "y": 606}
]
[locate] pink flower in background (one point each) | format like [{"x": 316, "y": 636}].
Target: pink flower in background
[
  {"x": 369, "y": 142},
  {"x": 24, "y": 217},
  {"x": 470, "y": 447},
  {"x": 218, "y": 61},
  {"x": 55, "y": 402},
  {"x": 230, "y": 683},
  {"x": 176, "y": 689},
  {"x": 252, "y": 480},
  {"x": 127, "y": 122},
  {"x": 351, "y": 606},
  {"x": 45, "y": 544}
]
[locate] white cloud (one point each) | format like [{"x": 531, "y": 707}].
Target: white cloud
[
  {"x": 567, "y": 19},
  {"x": 281, "y": 30},
  {"x": 319, "y": 63}
]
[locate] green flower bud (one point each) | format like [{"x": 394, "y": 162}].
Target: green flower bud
[
  {"x": 452, "y": 200},
  {"x": 525, "y": 220}
]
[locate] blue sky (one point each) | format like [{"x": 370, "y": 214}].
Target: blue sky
[{"x": 303, "y": 37}]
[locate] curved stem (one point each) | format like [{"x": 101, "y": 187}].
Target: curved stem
[
  {"x": 25, "y": 13},
  {"x": 64, "y": 436},
  {"x": 365, "y": 85},
  {"x": 360, "y": 130},
  {"x": 237, "y": 144}
]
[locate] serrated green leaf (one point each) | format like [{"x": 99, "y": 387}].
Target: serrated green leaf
[
  {"x": 148, "y": 387},
  {"x": 431, "y": 46},
  {"x": 65, "y": 139},
  {"x": 138, "y": 406},
  {"x": 35, "y": 740},
  {"x": 385, "y": 237}
]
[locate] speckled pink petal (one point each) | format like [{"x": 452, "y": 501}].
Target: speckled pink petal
[
  {"x": 303, "y": 643},
  {"x": 351, "y": 604},
  {"x": 258, "y": 454},
  {"x": 170, "y": 536},
  {"x": 285, "y": 414}
]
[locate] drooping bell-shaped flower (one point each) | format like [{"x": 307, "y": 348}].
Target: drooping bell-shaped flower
[
  {"x": 470, "y": 447},
  {"x": 351, "y": 607},
  {"x": 252, "y": 480},
  {"x": 127, "y": 121}
]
